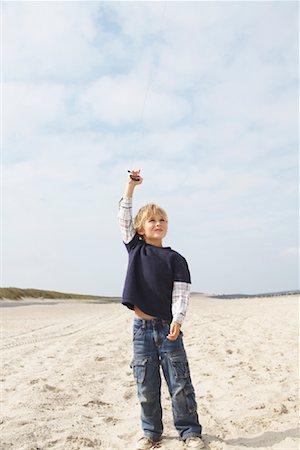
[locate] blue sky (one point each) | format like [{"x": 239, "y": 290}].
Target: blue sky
[{"x": 203, "y": 97}]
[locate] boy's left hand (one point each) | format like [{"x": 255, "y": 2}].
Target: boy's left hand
[{"x": 174, "y": 331}]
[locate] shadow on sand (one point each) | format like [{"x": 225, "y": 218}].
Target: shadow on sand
[{"x": 266, "y": 439}]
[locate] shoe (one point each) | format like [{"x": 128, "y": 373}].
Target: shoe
[
  {"x": 144, "y": 443},
  {"x": 194, "y": 442}
]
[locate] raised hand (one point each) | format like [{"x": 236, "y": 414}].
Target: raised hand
[{"x": 134, "y": 177}]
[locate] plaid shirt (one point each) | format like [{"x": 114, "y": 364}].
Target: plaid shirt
[{"x": 181, "y": 290}]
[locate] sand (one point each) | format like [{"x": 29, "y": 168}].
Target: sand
[{"x": 66, "y": 381}]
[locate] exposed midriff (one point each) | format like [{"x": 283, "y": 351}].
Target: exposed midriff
[{"x": 141, "y": 314}]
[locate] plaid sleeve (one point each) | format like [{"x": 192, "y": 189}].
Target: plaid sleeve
[
  {"x": 180, "y": 300},
  {"x": 125, "y": 219}
]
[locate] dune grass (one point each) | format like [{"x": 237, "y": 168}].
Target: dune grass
[{"x": 13, "y": 293}]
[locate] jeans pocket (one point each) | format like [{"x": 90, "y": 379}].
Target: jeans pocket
[
  {"x": 180, "y": 365},
  {"x": 139, "y": 366},
  {"x": 190, "y": 399}
]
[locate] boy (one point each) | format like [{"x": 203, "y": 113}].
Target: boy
[{"x": 157, "y": 288}]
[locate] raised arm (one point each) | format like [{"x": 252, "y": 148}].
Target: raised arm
[{"x": 125, "y": 206}]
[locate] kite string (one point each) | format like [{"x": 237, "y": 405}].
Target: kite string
[{"x": 141, "y": 118}]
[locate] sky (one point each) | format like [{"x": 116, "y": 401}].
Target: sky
[{"x": 203, "y": 97}]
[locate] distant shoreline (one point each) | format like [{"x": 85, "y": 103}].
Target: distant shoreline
[
  {"x": 13, "y": 293},
  {"x": 263, "y": 295}
]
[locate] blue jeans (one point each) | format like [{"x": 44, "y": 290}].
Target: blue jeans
[{"x": 152, "y": 349}]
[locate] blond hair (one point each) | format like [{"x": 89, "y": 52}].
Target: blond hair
[{"x": 145, "y": 213}]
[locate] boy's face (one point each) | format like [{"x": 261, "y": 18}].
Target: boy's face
[{"x": 154, "y": 230}]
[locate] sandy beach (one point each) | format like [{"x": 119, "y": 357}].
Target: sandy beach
[{"x": 66, "y": 383}]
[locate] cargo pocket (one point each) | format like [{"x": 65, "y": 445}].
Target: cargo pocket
[
  {"x": 190, "y": 399},
  {"x": 138, "y": 366},
  {"x": 180, "y": 366}
]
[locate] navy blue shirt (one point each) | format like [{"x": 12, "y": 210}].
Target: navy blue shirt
[{"x": 150, "y": 276}]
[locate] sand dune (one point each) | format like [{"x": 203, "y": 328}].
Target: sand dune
[{"x": 67, "y": 384}]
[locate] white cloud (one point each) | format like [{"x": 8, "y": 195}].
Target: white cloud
[
  {"x": 29, "y": 107},
  {"x": 56, "y": 40},
  {"x": 46, "y": 39},
  {"x": 121, "y": 100}
]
